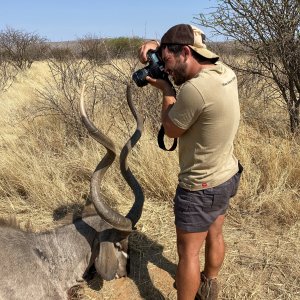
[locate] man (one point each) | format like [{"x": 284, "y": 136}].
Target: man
[{"x": 205, "y": 117}]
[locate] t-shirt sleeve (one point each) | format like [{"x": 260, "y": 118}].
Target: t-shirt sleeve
[{"x": 188, "y": 106}]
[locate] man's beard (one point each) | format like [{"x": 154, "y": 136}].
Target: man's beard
[{"x": 179, "y": 74}]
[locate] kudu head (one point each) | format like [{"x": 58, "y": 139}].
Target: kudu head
[{"x": 112, "y": 243}]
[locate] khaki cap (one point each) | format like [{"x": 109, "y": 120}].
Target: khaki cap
[{"x": 185, "y": 34}]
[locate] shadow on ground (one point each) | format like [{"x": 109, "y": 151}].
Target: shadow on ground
[{"x": 142, "y": 252}]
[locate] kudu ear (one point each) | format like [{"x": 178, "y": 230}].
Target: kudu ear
[{"x": 107, "y": 262}]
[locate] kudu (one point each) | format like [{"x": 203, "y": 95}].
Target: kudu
[{"x": 45, "y": 265}]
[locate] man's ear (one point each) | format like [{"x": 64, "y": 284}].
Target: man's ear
[{"x": 187, "y": 52}]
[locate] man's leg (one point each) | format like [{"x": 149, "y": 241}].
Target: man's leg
[
  {"x": 188, "y": 269},
  {"x": 214, "y": 248}
]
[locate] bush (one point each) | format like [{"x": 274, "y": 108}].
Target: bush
[{"x": 21, "y": 48}]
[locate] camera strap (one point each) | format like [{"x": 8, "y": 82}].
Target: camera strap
[{"x": 161, "y": 142}]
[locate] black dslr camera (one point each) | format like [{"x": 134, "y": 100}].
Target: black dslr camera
[{"x": 155, "y": 69}]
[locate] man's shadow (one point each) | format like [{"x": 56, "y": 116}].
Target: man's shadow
[{"x": 142, "y": 251}]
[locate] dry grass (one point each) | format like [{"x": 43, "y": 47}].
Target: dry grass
[{"x": 42, "y": 172}]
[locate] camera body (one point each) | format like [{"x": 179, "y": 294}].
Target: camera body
[{"x": 155, "y": 69}]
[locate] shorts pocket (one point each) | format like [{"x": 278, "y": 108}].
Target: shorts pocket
[
  {"x": 218, "y": 199},
  {"x": 207, "y": 200}
]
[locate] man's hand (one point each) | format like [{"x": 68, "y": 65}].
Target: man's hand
[
  {"x": 163, "y": 85},
  {"x": 149, "y": 45}
]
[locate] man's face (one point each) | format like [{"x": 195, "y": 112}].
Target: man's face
[{"x": 175, "y": 66}]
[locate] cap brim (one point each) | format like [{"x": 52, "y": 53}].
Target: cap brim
[{"x": 204, "y": 52}]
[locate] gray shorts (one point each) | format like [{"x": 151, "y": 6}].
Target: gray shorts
[{"x": 195, "y": 211}]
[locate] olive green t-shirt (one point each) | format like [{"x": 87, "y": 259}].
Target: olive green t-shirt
[{"x": 207, "y": 107}]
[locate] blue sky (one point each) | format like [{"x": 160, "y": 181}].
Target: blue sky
[{"x": 61, "y": 20}]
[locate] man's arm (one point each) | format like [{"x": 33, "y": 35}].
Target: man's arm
[{"x": 171, "y": 130}]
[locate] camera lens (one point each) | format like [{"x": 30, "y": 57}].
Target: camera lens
[{"x": 139, "y": 77}]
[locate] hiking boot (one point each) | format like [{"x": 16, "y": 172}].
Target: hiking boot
[{"x": 208, "y": 289}]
